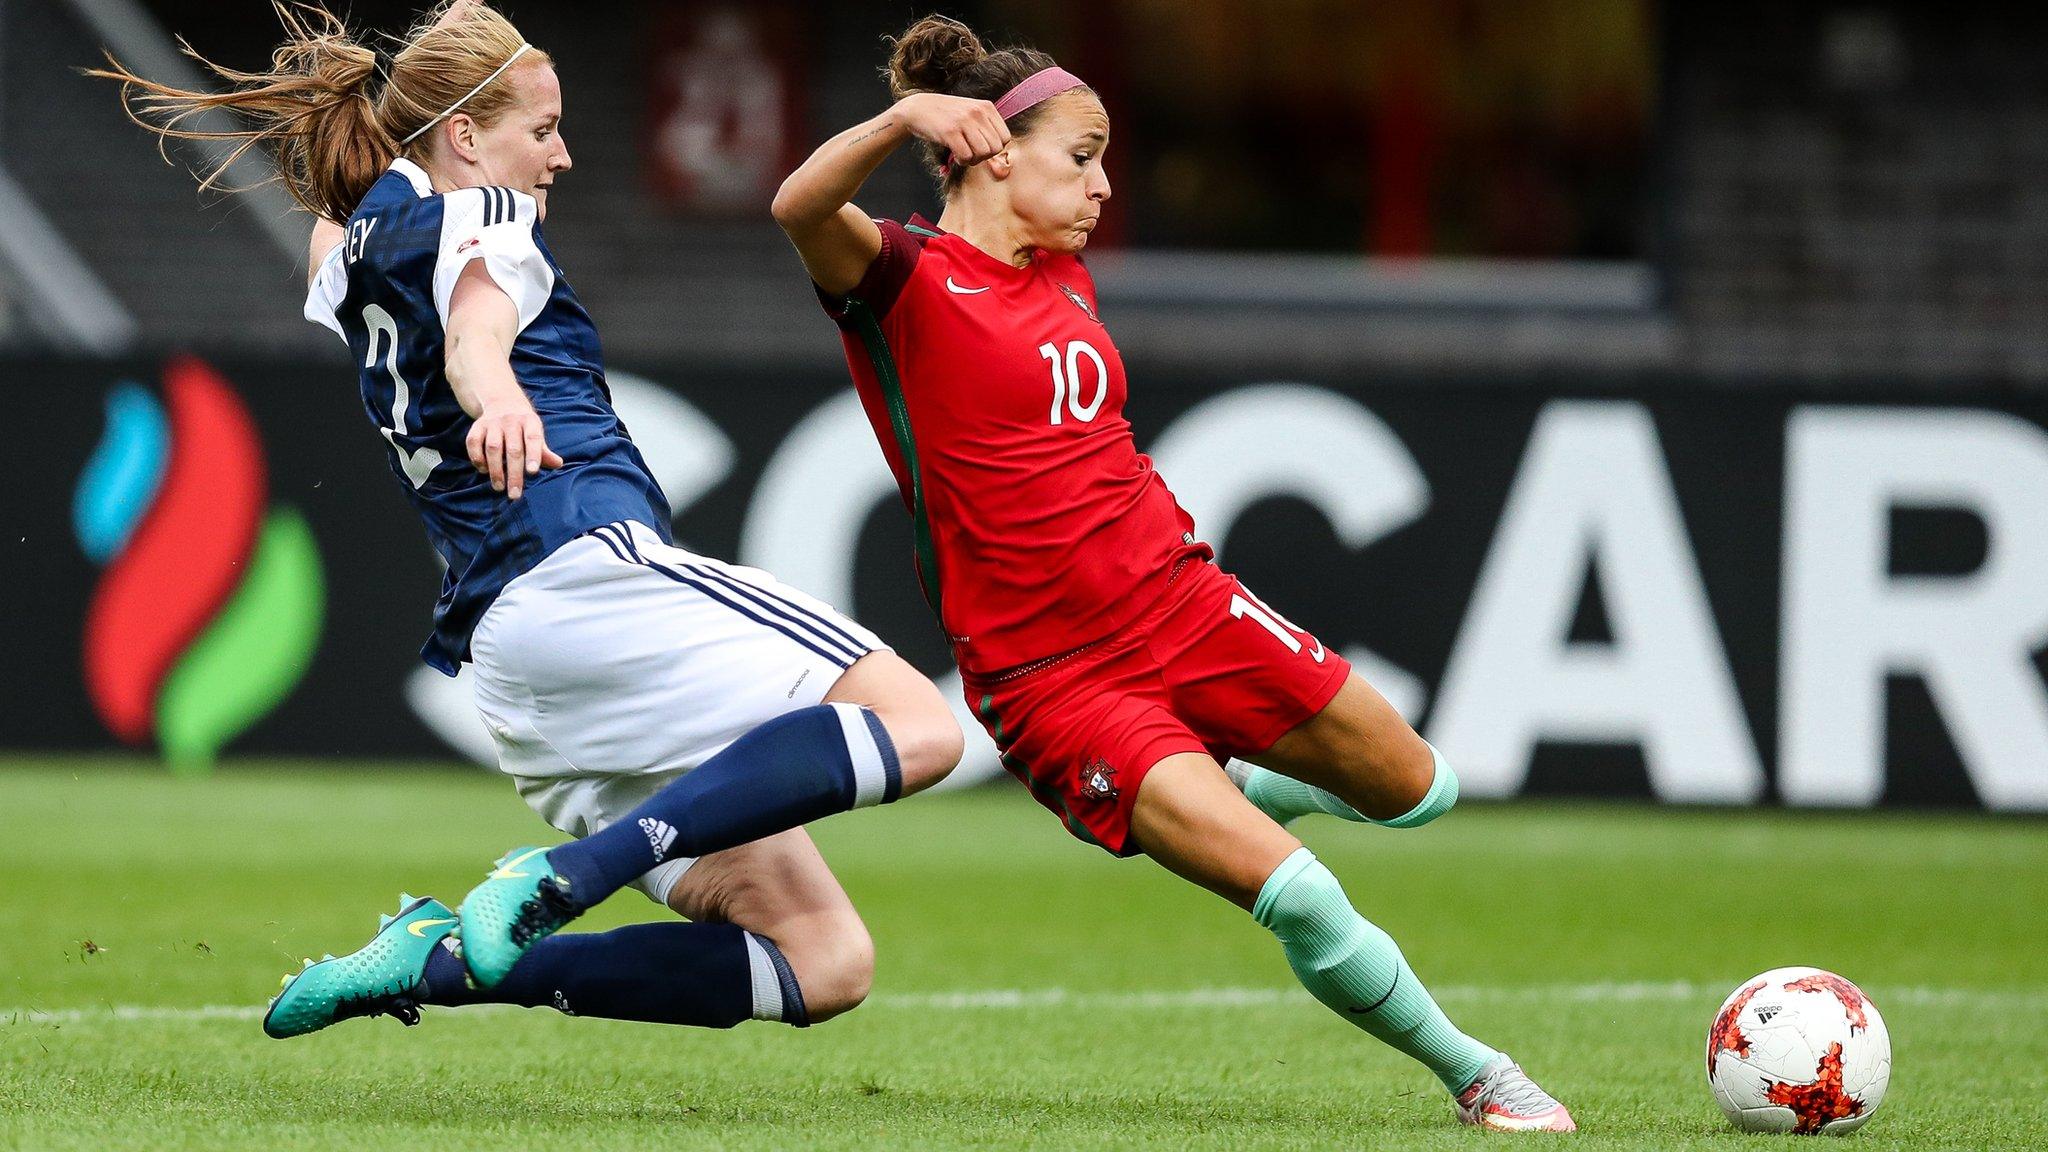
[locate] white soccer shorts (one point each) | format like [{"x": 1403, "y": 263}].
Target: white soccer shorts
[{"x": 619, "y": 663}]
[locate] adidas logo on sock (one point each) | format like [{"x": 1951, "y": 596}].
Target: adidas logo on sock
[{"x": 659, "y": 834}]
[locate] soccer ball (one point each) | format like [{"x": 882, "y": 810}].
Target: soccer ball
[{"x": 1798, "y": 1050}]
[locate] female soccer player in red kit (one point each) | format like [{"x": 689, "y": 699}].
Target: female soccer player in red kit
[{"x": 1116, "y": 666}]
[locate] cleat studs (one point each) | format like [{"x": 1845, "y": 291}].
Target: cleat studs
[
  {"x": 383, "y": 922},
  {"x": 405, "y": 898}
]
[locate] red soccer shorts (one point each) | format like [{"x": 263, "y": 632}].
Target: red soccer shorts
[{"x": 1207, "y": 669}]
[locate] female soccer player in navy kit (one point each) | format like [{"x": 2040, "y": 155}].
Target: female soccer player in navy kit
[
  {"x": 683, "y": 716},
  {"x": 1115, "y": 665}
]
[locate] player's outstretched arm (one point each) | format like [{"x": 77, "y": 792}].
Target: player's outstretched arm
[
  {"x": 837, "y": 240},
  {"x": 506, "y": 441}
]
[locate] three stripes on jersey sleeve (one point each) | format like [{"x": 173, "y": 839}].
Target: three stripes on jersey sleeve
[
  {"x": 470, "y": 231},
  {"x": 500, "y": 205}
]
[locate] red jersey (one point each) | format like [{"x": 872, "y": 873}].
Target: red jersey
[{"x": 998, "y": 399}]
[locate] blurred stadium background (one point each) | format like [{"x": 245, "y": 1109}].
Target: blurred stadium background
[
  {"x": 1652, "y": 398},
  {"x": 1649, "y": 395}
]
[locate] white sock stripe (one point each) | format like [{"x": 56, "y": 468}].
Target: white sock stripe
[
  {"x": 870, "y": 777},
  {"x": 767, "y": 988}
]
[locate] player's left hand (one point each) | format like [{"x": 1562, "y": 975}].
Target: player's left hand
[{"x": 509, "y": 445}]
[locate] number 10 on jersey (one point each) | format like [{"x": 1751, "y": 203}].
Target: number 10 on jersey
[{"x": 1066, "y": 379}]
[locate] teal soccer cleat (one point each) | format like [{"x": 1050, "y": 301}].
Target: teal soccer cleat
[
  {"x": 379, "y": 978},
  {"x": 518, "y": 905}
]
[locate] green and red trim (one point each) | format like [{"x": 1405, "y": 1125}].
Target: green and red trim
[
  {"x": 1045, "y": 793},
  {"x": 884, "y": 362}
]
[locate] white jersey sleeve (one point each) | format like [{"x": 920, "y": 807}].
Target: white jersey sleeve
[
  {"x": 494, "y": 225},
  {"x": 325, "y": 293}
]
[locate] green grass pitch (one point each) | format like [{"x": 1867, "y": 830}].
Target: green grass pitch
[{"x": 1032, "y": 991}]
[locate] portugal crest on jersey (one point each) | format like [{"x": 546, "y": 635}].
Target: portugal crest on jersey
[{"x": 1080, "y": 303}]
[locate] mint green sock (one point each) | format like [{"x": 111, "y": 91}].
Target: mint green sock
[
  {"x": 1285, "y": 799},
  {"x": 1358, "y": 971}
]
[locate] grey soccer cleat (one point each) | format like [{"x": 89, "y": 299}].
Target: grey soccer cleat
[{"x": 1504, "y": 1099}]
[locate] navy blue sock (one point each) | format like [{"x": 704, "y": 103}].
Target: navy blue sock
[
  {"x": 799, "y": 767},
  {"x": 707, "y": 975}
]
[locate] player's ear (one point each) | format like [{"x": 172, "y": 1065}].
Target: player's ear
[
  {"x": 462, "y": 133},
  {"x": 1000, "y": 165}
]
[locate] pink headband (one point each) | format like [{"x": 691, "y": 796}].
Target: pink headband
[
  {"x": 1030, "y": 92},
  {"x": 1036, "y": 89}
]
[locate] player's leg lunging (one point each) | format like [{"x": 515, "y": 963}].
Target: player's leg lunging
[
  {"x": 1286, "y": 799},
  {"x": 709, "y": 975},
  {"x": 799, "y": 767},
  {"x": 706, "y": 975},
  {"x": 1358, "y": 760},
  {"x": 773, "y": 937},
  {"x": 1190, "y": 819},
  {"x": 780, "y": 889}
]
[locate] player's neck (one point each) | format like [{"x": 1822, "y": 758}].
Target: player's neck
[
  {"x": 993, "y": 232},
  {"x": 446, "y": 178}
]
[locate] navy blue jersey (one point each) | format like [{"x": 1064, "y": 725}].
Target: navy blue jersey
[{"x": 385, "y": 289}]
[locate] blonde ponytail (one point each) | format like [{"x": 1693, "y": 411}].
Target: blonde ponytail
[{"x": 330, "y": 119}]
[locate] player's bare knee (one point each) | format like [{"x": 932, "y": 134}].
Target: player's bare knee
[
  {"x": 1435, "y": 793},
  {"x": 1416, "y": 779},
  {"x": 928, "y": 742},
  {"x": 835, "y": 968},
  {"x": 1385, "y": 775}
]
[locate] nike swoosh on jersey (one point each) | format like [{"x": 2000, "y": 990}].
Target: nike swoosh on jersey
[
  {"x": 416, "y": 926},
  {"x": 952, "y": 287}
]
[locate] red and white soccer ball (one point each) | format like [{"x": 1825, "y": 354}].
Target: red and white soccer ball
[{"x": 1799, "y": 1050}]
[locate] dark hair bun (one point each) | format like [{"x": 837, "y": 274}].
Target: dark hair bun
[{"x": 932, "y": 56}]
